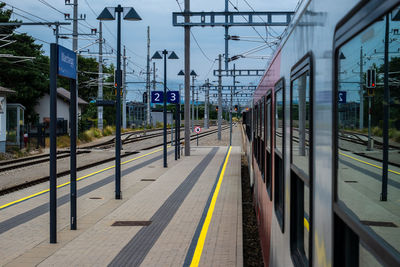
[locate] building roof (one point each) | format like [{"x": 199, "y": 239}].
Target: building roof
[
  {"x": 6, "y": 90},
  {"x": 64, "y": 93}
]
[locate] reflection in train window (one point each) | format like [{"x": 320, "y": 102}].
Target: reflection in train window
[
  {"x": 262, "y": 167},
  {"x": 279, "y": 120},
  {"x": 300, "y": 221},
  {"x": 279, "y": 183},
  {"x": 300, "y": 122},
  {"x": 268, "y": 150},
  {"x": 368, "y": 122}
]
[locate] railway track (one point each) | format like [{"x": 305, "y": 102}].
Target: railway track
[
  {"x": 33, "y": 160},
  {"x": 91, "y": 165}
]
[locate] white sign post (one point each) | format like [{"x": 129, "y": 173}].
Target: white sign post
[{"x": 197, "y": 130}]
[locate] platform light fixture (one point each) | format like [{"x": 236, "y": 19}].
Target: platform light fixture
[{"x": 130, "y": 14}]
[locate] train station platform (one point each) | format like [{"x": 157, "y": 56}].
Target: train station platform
[{"x": 187, "y": 214}]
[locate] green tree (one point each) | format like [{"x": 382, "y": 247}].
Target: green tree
[{"x": 30, "y": 79}]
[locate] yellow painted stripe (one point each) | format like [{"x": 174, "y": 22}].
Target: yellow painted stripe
[
  {"x": 80, "y": 178},
  {"x": 367, "y": 163},
  {"x": 306, "y": 224},
  {"x": 200, "y": 243}
]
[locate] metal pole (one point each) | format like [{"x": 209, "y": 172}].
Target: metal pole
[
  {"x": 75, "y": 46},
  {"x": 179, "y": 132},
  {"x": 172, "y": 134},
  {"x": 154, "y": 76},
  {"x": 100, "y": 88},
  {"x": 187, "y": 80},
  {"x": 124, "y": 92},
  {"x": 57, "y": 32},
  {"x": 219, "y": 97},
  {"x": 197, "y": 106},
  {"x": 148, "y": 76},
  {"x": 386, "y": 100},
  {"x": 165, "y": 52},
  {"x": 119, "y": 9},
  {"x": 53, "y": 143},
  {"x": 206, "y": 104},
  {"x": 361, "y": 89},
  {"x": 180, "y": 102},
  {"x": 176, "y": 131},
  {"x": 226, "y": 36},
  {"x": 370, "y": 144},
  {"x": 73, "y": 194},
  {"x": 192, "y": 103},
  {"x": 231, "y": 104}
]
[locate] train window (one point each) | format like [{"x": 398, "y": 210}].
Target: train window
[
  {"x": 300, "y": 221},
  {"x": 300, "y": 122},
  {"x": 259, "y": 135},
  {"x": 262, "y": 163},
  {"x": 367, "y": 117},
  {"x": 279, "y": 111},
  {"x": 268, "y": 148},
  {"x": 301, "y": 155},
  {"x": 279, "y": 182}
]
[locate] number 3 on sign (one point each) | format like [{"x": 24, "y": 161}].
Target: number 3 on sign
[{"x": 173, "y": 97}]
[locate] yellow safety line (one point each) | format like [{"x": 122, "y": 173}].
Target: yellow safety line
[
  {"x": 80, "y": 178},
  {"x": 367, "y": 163},
  {"x": 200, "y": 243},
  {"x": 306, "y": 224}
]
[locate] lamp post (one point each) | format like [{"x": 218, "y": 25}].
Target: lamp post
[
  {"x": 193, "y": 74},
  {"x": 108, "y": 13},
  {"x": 171, "y": 56}
]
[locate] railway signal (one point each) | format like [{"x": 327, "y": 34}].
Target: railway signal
[{"x": 371, "y": 78}]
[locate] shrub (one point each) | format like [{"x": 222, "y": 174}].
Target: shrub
[
  {"x": 108, "y": 131},
  {"x": 394, "y": 134},
  {"x": 377, "y": 131},
  {"x": 63, "y": 141}
]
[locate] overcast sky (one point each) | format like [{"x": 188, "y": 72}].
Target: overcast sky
[{"x": 158, "y": 15}]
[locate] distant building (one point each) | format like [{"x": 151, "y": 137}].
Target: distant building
[
  {"x": 136, "y": 114},
  {"x": 63, "y": 100},
  {"x": 3, "y": 116},
  {"x": 158, "y": 117}
]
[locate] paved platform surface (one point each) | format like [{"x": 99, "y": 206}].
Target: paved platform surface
[{"x": 186, "y": 221}]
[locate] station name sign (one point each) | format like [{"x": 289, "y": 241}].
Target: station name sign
[{"x": 66, "y": 63}]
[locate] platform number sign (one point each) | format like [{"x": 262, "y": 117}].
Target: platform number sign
[
  {"x": 342, "y": 96},
  {"x": 157, "y": 97},
  {"x": 173, "y": 97}
]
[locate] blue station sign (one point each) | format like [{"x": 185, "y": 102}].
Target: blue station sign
[
  {"x": 173, "y": 97},
  {"x": 66, "y": 63},
  {"x": 157, "y": 97}
]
